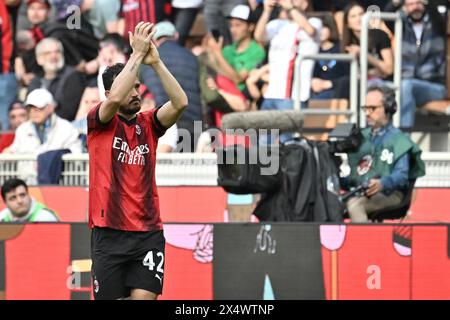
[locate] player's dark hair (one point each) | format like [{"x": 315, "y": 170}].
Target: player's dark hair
[
  {"x": 110, "y": 74},
  {"x": 11, "y": 185}
]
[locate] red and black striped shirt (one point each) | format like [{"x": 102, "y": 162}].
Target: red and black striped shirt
[
  {"x": 134, "y": 11},
  {"x": 122, "y": 159},
  {"x": 6, "y": 43}
]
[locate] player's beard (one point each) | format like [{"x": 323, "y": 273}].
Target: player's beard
[{"x": 132, "y": 107}]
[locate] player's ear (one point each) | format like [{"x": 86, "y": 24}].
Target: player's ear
[{"x": 107, "y": 93}]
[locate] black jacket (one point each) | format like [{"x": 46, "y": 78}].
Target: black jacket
[
  {"x": 67, "y": 89},
  {"x": 79, "y": 44}
]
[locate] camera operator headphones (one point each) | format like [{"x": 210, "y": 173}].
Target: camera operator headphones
[{"x": 389, "y": 102}]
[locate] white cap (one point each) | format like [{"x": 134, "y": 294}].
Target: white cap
[
  {"x": 39, "y": 98},
  {"x": 241, "y": 12}
]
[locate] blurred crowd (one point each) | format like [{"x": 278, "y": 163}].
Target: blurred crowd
[{"x": 229, "y": 56}]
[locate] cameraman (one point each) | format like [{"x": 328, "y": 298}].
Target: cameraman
[{"x": 387, "y": 161}]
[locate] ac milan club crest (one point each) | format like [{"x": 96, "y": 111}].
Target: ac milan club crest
[{"x": 365, "y": 164}]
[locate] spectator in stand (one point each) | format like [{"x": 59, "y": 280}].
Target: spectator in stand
[
  {"x": 380, "y": 54},
  {"x": 89, "y": 99},
  {"x": 228, "y": 67},
  {"x": 184, "y": 67},
  {"x": 21, "y": 207},
  {"x": 45, "y": 131},
  {"x": 217, "y": 100},
  {"x": 111, "y": 51},
  {"x": 133, "y": 11},
  {"x": 62, "y": 8},
  {"x": 38, "y": 11},
  {"x": 215, "y": 12},
  {"x": 26, "y": 66},
  {"x": 17, "y": 115},
  {"x": 235, "y": 61},
  {"x": 328, "y": 72},
  {"x": 423, "y": 56},
  {"x": 292, "y": 32},
  {"x": 8, "y": 82},
  {"x": 184, "y": 13},
  {"x": 98, "y": 16},
  {"x": 64, "y": 82},
  {"x": 80, "y": 44},
  {"x": 103, "y": 15}
]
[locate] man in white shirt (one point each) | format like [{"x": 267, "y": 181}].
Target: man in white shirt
[
  {"x": 20, "y": 207},
  {"x": 290, "y": 35},
  {"x": 44, "y": 131}
]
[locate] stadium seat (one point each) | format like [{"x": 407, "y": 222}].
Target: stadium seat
[{"x": 395, "y": 212}]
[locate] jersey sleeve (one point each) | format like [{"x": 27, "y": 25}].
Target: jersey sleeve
[
  {"x": 93, "y": 119},
  {"x": 158, "y": 129}
]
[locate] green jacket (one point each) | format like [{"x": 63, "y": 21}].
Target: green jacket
[
  {"x": 379, "y": 161},
  {"x": 37, "y": 211}
]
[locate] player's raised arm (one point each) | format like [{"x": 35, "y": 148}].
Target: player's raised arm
[
  {"x": 169, "y": 113},
  {"x": 123, "y": 84}
]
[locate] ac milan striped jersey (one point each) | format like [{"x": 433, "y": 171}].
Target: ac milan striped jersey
[{"x": 122, "y": 158}]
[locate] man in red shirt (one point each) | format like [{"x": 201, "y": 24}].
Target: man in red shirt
[
  {"x": 133, "y": 11},
  {"x": 127, "y": 237},
  {"x": 8, "y": 82}
]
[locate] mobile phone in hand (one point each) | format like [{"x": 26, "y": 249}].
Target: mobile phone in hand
[{"x": 216, "y": 34}]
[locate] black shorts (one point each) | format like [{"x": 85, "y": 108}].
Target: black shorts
[{"x": 125, "y": 260}]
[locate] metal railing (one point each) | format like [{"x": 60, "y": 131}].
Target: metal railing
[
  {"x": 353, "y": 83},
  {"x": 364, "y": 45},
  {"x": 437, "y": 170},
  {"x": 190, "y": 169},
  {"x": 172, "y": 169}
]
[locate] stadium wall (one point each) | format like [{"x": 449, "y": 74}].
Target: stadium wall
[
  {"x": 244, "y": 261},
  {"x": 211, "y": 204}
]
